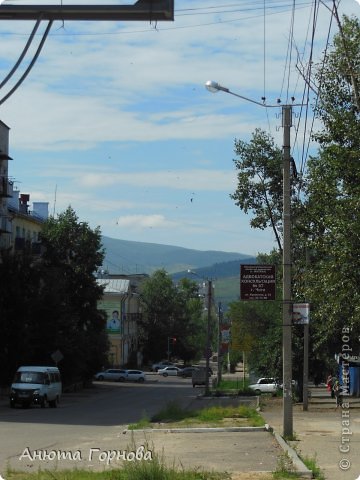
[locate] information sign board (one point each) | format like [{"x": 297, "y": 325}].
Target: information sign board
[{"x": 257, "y": 282}]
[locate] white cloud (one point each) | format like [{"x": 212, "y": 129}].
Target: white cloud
[
  {"x": 177, "y": 180},
  {"x": 115, "y": 116},
  {"x": 144, "y": 221}
]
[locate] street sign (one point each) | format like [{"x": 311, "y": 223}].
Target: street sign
[
  {"x": 301, "y": 313},
  {"x": 257, "y": 282}
]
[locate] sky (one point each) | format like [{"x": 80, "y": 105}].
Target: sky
[{"x": 114, "y": 118}]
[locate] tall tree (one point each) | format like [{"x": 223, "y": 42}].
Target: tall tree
[
  {"x": 332, "y": 206},
  {"x": 248, "y": 318},
  {"x": 49, "y": 303},
  {"x": 67, "y": 318},
  {"x": 259, "y": 186},
  {"x": 172, "y": 318}
]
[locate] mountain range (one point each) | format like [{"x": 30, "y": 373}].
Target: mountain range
[{"x": 126, "y": 257}]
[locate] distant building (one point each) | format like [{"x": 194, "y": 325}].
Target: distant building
[
  {"x": 5, "y": 187},
  {"x": 122, "y": 305},
  {"x": 26, "y": 223},
  {"x": 20, "y": 225}
]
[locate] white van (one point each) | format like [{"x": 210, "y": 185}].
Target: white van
[{"x": 36, "y": 386}]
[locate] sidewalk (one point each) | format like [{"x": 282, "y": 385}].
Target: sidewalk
[{"x": 330, "y": 436}]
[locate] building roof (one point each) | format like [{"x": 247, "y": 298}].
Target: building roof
[{"x": 114, "y": 285}]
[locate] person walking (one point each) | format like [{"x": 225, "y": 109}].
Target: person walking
[
  {"x": 337, "y": 393},
  {"x": 329, "y": 385}
]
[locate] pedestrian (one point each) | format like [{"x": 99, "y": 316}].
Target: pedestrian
[
  {"x": 329, "y": 385},
  {"x": 337, "y": 393}
]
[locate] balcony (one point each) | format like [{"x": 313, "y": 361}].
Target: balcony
[{"x": 5, "y": 187}]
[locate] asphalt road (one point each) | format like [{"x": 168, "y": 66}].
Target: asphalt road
[
  {"x": 88, "y": 430},
  {"x": 84, "y": 417}
]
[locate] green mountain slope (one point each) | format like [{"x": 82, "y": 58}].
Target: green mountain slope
[{"x": 123, "y": 256}]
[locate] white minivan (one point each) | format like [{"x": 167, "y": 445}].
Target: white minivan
[{"x": 36, "y": 386}]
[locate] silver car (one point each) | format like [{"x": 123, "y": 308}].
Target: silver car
[
  {"x": 112, "y": 374},
  {"x": 168, "y": 371},
  {"x": 265, "y": 385},
  {"x": 135, "y": 376}
]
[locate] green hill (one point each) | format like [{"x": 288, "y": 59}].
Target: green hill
[{"x": 123, "y": 256}]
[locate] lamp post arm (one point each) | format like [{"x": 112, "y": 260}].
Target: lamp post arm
[{"x": 246, "y": 98}]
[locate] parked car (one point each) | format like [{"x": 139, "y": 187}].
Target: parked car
[
  {"x": 186, "y": 372},
  {"x": 265, "y": 385},
  {"x": 135, "y": 375},
  {"x": 158, "y": 366},
  {"x": 170, "y": 370},
  {"x": 114, "y": 374}
]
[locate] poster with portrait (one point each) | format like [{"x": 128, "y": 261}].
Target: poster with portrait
[{"x": 113, "y": 314}]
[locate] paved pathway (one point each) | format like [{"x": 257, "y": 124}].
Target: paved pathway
[{"x": 329, "y": 435}]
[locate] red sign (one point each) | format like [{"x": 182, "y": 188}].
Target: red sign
[{"x": 257, "y": 282}]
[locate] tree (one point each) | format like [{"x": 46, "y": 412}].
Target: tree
[
  {"x": 249, "y": 318},
  {"x": 331, "y": 276},
  {"x": 259, "y": 186},
  {"x": 325, "y": 225},
  {"x": 67, "y": 318},
  {"x": 170, "y": 311},
  {"x": 50, "y": 302},
  {"x": 18, "y": 293}
]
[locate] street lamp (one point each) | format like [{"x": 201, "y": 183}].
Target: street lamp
[
  {"x": 208, "y": 329},
  {"x": 287, "y": 305}
]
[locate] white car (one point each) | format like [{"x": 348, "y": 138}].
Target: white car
[
  {"x": 169, "y": 371},
  {"x": 135, "y": 376},
  {"x": 114, "y": 374},
  {"x": 160, "y": 365},
  {"x": 265, "y": 385}
]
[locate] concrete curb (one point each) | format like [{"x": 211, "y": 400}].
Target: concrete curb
[
  {"x": 301, "y": 468},
  {"x": 200, "y": 429},
  {"x": 298, "y": 464}
]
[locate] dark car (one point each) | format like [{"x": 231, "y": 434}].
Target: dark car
[{"x": 186, "y": 372}]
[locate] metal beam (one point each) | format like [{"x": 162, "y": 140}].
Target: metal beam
[{"x": 151, "y": 10}]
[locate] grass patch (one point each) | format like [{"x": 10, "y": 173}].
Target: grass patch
[
  {"x": 214, "y": 416},
  {"x": 172, "y": 412},
  {"x": 237, "y": 384},
  {"x": 311, "y": 464},
  {"x": 154, "y": 469},
  {"x": 135, "y": 471}
]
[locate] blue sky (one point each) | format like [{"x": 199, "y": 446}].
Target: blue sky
[{"x": 115, "y": 121}]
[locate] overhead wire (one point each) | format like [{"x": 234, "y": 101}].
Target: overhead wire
[
  {"x": 30, "y": 66},
  {"x": 306, "y": 91},
  {"x": 306, "y": 152},
  {"x": 23, "y": 53}
]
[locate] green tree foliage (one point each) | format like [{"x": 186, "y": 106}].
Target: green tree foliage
[
  {"x": 332, "y": 206},
  {"x": 325, "y": 216},
  {"x": 259, "y": 186},
  {"x": 19, "y": 285},
  {"x": 170, "y": 311},
  {"x": 51, "y": 302},
  {"x": 256, "y": 328}
]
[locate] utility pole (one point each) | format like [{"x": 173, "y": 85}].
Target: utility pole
[
  {"x": 306, "y": 354},
  {"x": 287, "y": 305},
  {"x": 286, "y": 251},
  {"x": 207, "y": 376},
  {"x": 219, "y": 353}
]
